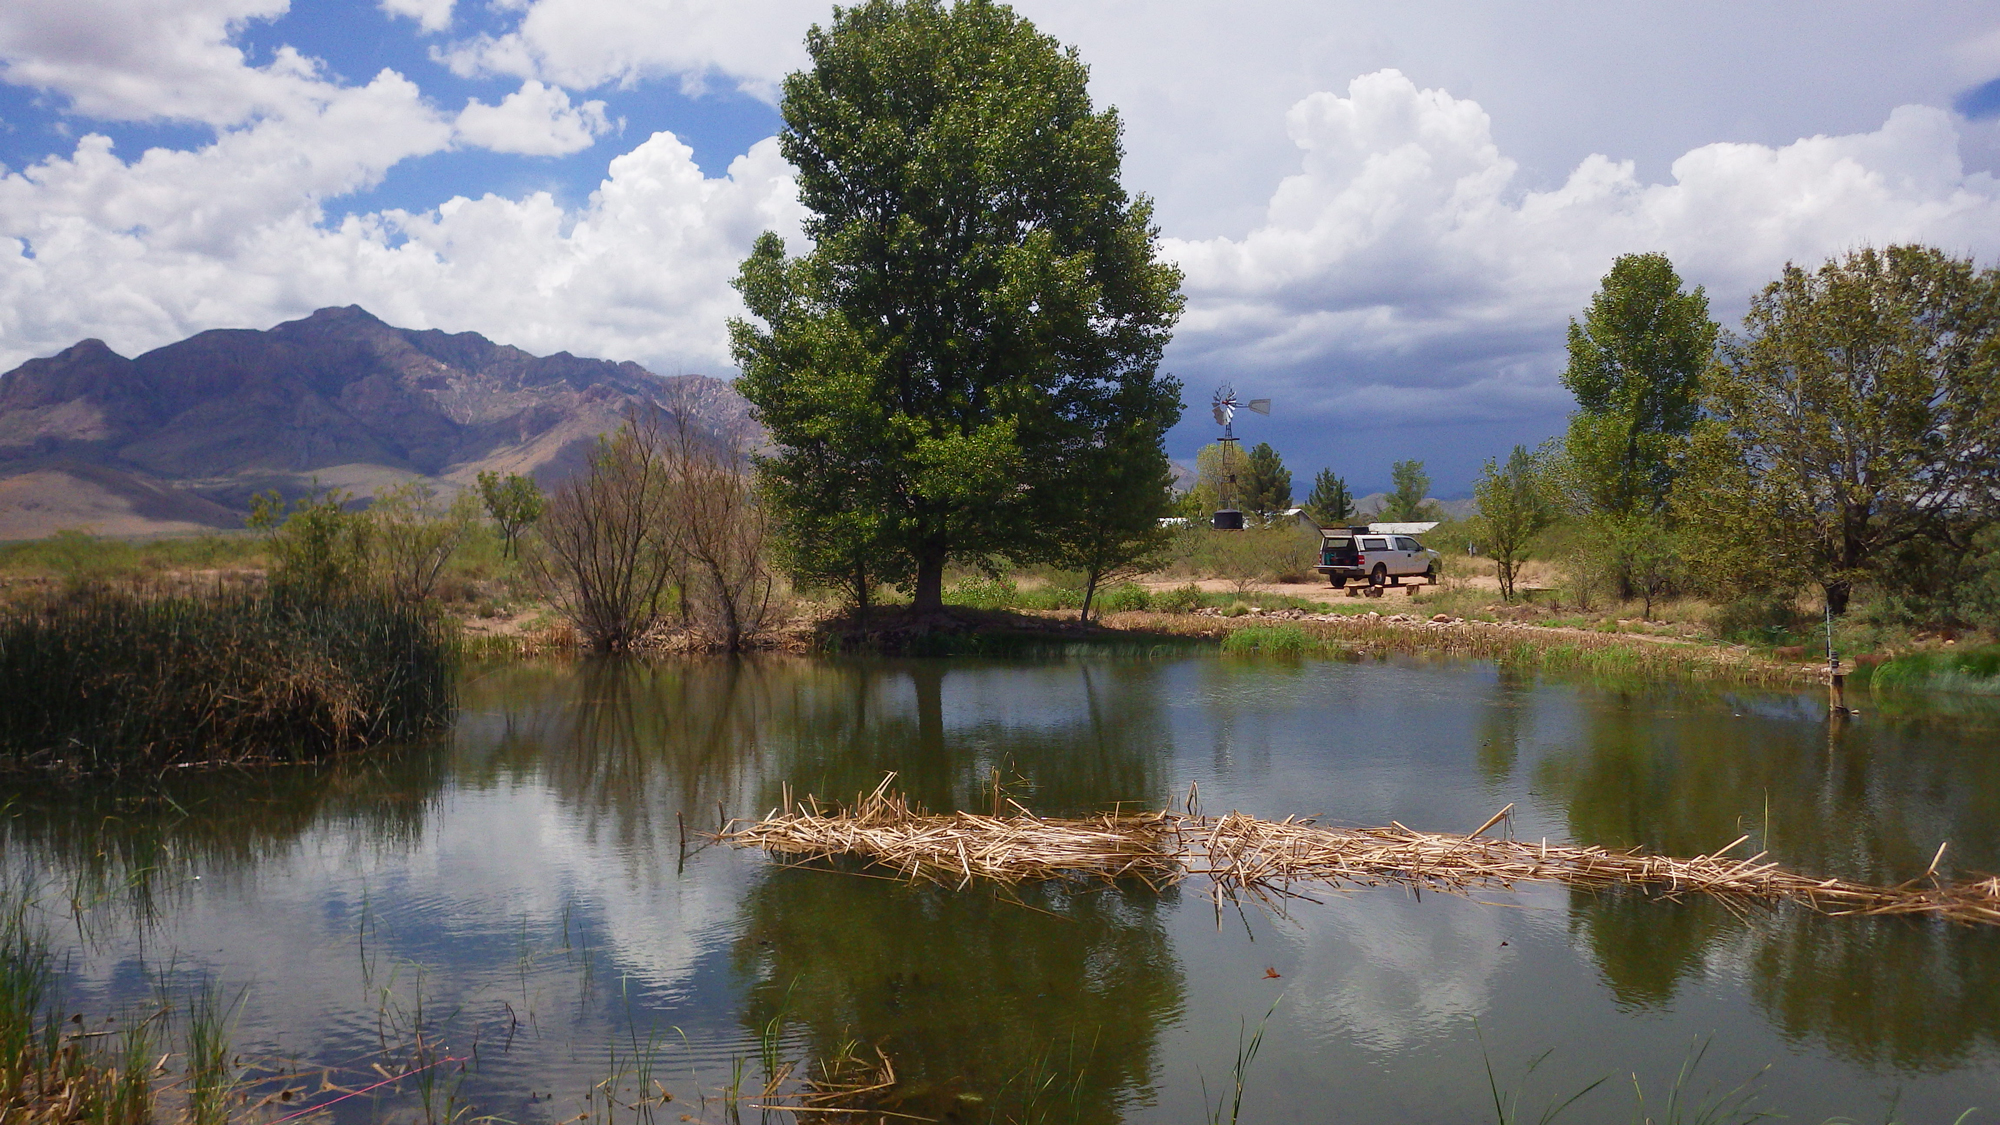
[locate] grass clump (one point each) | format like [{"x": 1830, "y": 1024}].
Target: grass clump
[
  {"x": 125, "y": 683},
  {"x": 1273, "y": 640},
  {"x": 1973, "y": 670},
  {"x": 53, "y": 1071}
]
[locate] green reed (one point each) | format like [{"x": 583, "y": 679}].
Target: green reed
[
  {"x": 56, "y": 1070},
  {"x": 127, "y": 683}
]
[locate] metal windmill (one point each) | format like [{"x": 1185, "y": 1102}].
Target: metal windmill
[{"x": 1228, "y": 517}]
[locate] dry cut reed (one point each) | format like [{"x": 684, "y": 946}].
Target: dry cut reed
[{"x": 1275, "y": 861}]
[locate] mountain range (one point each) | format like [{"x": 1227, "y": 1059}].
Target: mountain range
[{"x": 179, "y": 438}]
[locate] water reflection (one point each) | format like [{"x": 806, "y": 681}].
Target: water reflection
[
  {"x": 135, "y": 842},
  {"x": 1684, "y": 772},
  {"x": 1694, "y": 770},
  {"x": 532, "y": 863},
  {"x": 990, "y": 1008},
  {"x": 1914, "y": 996}
]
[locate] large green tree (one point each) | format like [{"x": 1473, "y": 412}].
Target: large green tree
[
  {"x": 1853, "y": 424},
  {"x": 981, "y": 306},
  {"x": 1635, "y": 363},
  {"x": 1267, "y": 484}
]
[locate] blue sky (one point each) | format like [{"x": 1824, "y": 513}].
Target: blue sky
[{"x": 1386, "y": 213}]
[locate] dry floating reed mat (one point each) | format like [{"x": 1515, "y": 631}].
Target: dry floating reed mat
[{"x": 1273, "y": 861}]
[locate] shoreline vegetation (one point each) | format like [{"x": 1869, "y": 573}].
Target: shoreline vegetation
[
  {"x": 126, "y": 684},
  {"x": 312, "y": 640}
]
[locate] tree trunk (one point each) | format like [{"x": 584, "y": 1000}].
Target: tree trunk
[
  {"x": 929, "y": 595},
  {"x": 861, "y": 594},
  {"x": 1089, "y": 592}
]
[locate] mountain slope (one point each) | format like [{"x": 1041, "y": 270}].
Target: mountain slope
[{"x": 338, "y": 398}]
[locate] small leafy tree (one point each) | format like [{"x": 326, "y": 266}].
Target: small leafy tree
[
  {"x": 318, "y": 548},
  {"x": 1331, "y": 504},
  {"x": 1267, "y": 484},
  {"x": 1514, "y": 507},
  {"x": 1110, "y": 529},
  {"x": 515, "y": 502},
  {"x": 415, "y": 535},
  {"x": 1407, "y": 501}
]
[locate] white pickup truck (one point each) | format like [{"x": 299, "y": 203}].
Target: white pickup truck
[{"x": 1383, "y": 559}]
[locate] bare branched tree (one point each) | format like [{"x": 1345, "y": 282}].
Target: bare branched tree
[
  {"x": 718, "y": 533},
  {"x": 602, "y": 553}
]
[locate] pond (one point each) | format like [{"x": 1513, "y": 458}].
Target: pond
[{"x": 517, "y": 898}]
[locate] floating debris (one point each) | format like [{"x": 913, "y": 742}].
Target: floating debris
[{"x": 1275, "y": 861}]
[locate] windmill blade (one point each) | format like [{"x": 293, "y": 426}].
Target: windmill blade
[{"x": 1259, "y": 405}]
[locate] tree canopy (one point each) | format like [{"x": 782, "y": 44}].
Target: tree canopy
[
  {"x": 1514, "y": 507},
  {"x": 1851, "y": 427},
  {"x": 1330, "y": 503},
  {"x": 1407, "y": 502},
  {"x": 1267, "y": 484},
  {"x": 1635, "y": 363},
  {"x": 981, "y": 310}
]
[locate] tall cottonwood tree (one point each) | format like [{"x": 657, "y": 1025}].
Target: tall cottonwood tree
[
  {"x": 981, "y": 301},
  {"x": 1635, "y": 364},
  {"x": 1856, "y": 420}
]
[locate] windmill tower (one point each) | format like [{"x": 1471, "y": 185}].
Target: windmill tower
[{"x": 1228, "y": 517}]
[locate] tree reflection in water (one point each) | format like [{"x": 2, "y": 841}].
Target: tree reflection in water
[
  {"x": 1675, "y": 772},
  {"x": 989, "y": 1009}
]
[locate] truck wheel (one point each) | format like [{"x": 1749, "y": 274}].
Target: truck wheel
[
  {"x": 1338, "y": 580},
  {"x": 1379, "y": 576},
  {"x": 1431, "y": 575}
]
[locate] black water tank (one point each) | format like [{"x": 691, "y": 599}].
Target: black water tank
[{"x": 1229, "y": 519}]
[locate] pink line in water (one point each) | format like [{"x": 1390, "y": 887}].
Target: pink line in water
[{"x": 365, "y": 1089}]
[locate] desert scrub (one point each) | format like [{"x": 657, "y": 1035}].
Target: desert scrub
[{"x": 125, "y": 683}]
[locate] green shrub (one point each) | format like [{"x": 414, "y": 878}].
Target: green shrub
[
  {"x": 1126, "y": 597},
  {"x": 1052, "y": 598},
  {"x": 1762, "y": 619},
  {"x": 1180, "y": 599},
  {"x": 129, "y": 683},
  {"x": 980, "y": 592}
]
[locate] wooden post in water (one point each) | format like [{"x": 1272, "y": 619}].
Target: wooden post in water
[{"x": 1836, "y": 682}]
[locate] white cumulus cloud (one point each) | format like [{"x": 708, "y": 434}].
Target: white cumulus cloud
[
  {"x": 431, "y": 15},
  {"x": 147, "y": 252},
  {"x": 586, "y": 43},
  {"x": 1402, "y": 273},
  {"x": 142, "y": 60},
  {"x": 536, "y": 120}
]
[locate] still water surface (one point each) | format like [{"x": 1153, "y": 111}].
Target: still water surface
[{"x": 518, "y": 892}]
